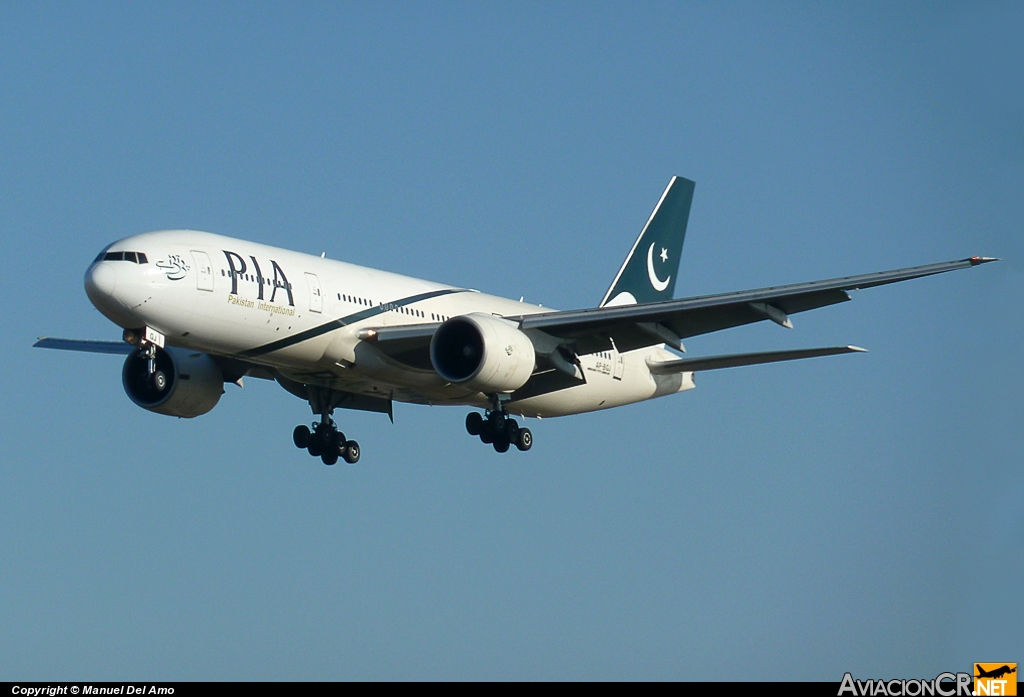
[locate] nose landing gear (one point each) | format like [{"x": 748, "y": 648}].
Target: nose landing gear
[{"x": 499, "y": 429}]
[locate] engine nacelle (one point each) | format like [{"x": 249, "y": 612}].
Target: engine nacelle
[
  {"x": 483, "y": 352},
  {"x": 193, "y": 383}
]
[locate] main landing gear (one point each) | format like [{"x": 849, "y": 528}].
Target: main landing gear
[
  {"x": 498, "y": 429},
  {"x": 325, "y": 440}
]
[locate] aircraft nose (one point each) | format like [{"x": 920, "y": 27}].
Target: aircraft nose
[{"x": 100, "y": 281}]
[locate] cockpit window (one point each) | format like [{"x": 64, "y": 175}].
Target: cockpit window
[{"x": 134, "y": 257}]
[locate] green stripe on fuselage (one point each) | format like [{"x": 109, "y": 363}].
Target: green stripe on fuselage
[{"x": 333, "y": 324}]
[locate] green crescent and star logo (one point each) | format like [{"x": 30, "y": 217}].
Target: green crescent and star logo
[{"x": 657, "y": 283}]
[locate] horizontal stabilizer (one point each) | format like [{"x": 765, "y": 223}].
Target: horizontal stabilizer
[
  {"x": 115, "y": 347},
  {"x": 686, "y": 365}
]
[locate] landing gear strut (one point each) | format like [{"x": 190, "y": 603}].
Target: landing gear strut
[
  {"x": 324, "y": 440},
  {"x": 157, "y": 378},
  {"x": 499, "y": 429}
]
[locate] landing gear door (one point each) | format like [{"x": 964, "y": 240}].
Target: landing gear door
[
  {"x": 316, "y": 297},
  {"x": 204, "y": 270}
]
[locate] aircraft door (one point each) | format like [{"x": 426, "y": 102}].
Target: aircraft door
[
  {"x": 618, "y": 365},
  {"x": 204, "y": 270},
  {"x": 316, "y": 297}
]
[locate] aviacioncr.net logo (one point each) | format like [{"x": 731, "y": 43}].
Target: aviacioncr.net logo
[{"x": 944, "y": 685}]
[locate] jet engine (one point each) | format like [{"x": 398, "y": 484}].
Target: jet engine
[
  {"x": 185, "y": 383},
  {"x": 483, "y": 352}
]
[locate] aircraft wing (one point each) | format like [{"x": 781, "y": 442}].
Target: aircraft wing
[
  {"x": 116, "y": 347},
  {"x": 670, "y": 321},
  {"x": 686, "y": 365}
]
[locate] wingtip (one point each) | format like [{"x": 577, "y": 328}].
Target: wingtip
[
  {"x": 856, "y": 349},
  {"x": 975, "y": 261}
]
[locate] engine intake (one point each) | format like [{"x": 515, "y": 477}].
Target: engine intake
[
  {"x": 483, "y": 352},
  {"x": 186, "y": 383}
]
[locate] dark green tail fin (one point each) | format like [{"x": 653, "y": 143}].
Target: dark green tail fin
[{"x": 649, "y": 272}]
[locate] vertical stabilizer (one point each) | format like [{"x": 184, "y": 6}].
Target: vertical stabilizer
[{"x": 650, "y": 270}]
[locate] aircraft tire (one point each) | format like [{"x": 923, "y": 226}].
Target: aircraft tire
[
  {"x": 501, "y": 445},
  {"x": 474, "y": 423},
  {"x": 300, "y": 436},
  {"x": 314, "y": 447},
  {"x": 329, "y": 458},
  {"x": 351, "y": 453},
  {"x": 339, "y": 442},
  {"x": 160, "y": 381},
  {"x": 511, "y": 431},
  {"x": 525, "y": 440}
]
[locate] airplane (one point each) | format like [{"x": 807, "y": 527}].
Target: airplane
[
  {"x": 201, "y": 310},
  {"x": 995, "y": 673}
]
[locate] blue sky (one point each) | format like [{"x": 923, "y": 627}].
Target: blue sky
[{"x": 793, "y": 521}]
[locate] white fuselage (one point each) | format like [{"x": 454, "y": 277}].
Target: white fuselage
[{"x": 301, "y": 315}]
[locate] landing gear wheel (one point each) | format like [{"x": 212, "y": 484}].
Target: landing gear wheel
[
  {"x": 325, "y": 438},
  {"x": 351, "y": 453},
  {"x": 314, "y": 448},
  {"x": 525, "y": 440},
  {"x": 486, "y": 436},
  {"x": 501, "y": 445},
  {"x": 474, "y": 423},
  {"x": 330, "y": 458},
  {"x": 300, "y": 436},
  {"x": 511, "y": 431},
  {"x": 339, "y": 443},
  {"x": 160, "y": 381}
]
